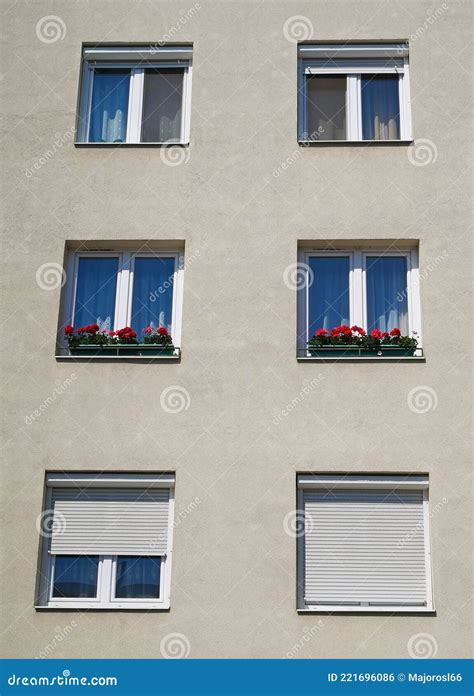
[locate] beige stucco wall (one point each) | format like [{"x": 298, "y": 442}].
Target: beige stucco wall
[{"x": 234, "y": 571}]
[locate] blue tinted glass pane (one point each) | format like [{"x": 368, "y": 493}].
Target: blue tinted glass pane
[
  {"x": 95, "y": 292},
  {"x": 152, "y": 293},
  {"x": 138, "y": 577},
  {"x": 329, "y": 292},
  {"x": 75, "y": 576},
  {"x": 387, "y": 305},
  {"x": 380, "y": 108},
  {"x": 109, "y": 109}
]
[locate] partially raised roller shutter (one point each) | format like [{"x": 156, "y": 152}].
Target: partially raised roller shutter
[{"x": 110, "y": 521}]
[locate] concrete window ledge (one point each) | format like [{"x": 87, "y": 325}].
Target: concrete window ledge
[
  {"x": 119, "y": 358},
  {"x": 356, "y": 143},
  {"x": 413, "y": 611},
  {"x": 379, "y": 359},
  {"x": 143, "y": 607}
]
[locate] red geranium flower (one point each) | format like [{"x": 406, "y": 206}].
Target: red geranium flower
[
  {"x": 358, "y": 330},
  {"x": 385, "y": 334},
  {"x": 321, "y": 332},
  {"x": 68, "y": 330},
  {"x": 376, "y": 333},
  {"x": 395, "y": 332},
  {"x": 148, "y": 330},
  {"x": 126, "y": 332},
  {"x": 162, "y": 331}
]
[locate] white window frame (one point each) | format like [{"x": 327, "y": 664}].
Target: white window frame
[
  {"x": 351, "y": 64},
  {"x": 365, "y": 482},
  {"x": 137, "y": 59},
  {"x": 124, "y": 291},
  {"x": 106, "y": 574},
  {"x": 357, "y": 289}
]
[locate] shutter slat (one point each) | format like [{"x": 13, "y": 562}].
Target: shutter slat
[
  {"x": 364, "y": 547},
  {"x": 110, "y": 521}
]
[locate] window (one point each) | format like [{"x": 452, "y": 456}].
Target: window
[
  {"x": 116, "y": 289},
  {"x": 357, "y": 92},
  {"x": 109, "y": 541},
  {"x": 135, "y": 94},
  {"x": 374, "y": 289},
  {"x": 366, "y": 544}
]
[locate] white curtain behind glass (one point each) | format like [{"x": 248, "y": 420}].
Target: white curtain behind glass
[
  {"x": 95, "y": 292},
  {"x": 380, "y": 108},
  {"x": 386, "y": 286},
  {"x": 109, "y": 109},
  {"x": 328, "y": 293}
]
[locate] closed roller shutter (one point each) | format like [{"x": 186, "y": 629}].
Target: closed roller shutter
[
  {"x": 364, "y": 547},
  {"x": 110, "y": 521}
]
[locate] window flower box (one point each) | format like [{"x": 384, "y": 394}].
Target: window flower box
[
  {"x": 89, "y": 340},
  {"x": 397, "y": 351},
  {"x": 348, "y": 351},
  {"x": 142, "y": 349},
  {"x": 349, "y": 342}
]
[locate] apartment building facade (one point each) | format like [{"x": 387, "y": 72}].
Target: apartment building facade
[{"x": 236, "y": 177}]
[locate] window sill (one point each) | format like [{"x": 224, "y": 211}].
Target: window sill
[
  {"x": 159, "y": 144},
  {"x": 336, "y": 609},
  {"x": 358, "y": 143},
  {"x": 139, "y": 606},
  {"x": 119, "y": 358},
  {"x": 362, "y": 358}
]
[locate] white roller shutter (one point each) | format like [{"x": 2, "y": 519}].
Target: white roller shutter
[
  {"x": 364, "y": 547},
  {"x": 108, "y": 521}
]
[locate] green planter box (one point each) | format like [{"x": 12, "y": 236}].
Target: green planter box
[
  {"x": 356, "y": 352},
  {"x": 143, "y": 349},
  {"x": 395, "y": 351},
  {"x": 335, "y": 351},
  {"x": 93, "y": 350}
]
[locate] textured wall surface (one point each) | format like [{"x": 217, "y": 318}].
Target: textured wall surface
[{"x": 234, "y": 569}]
